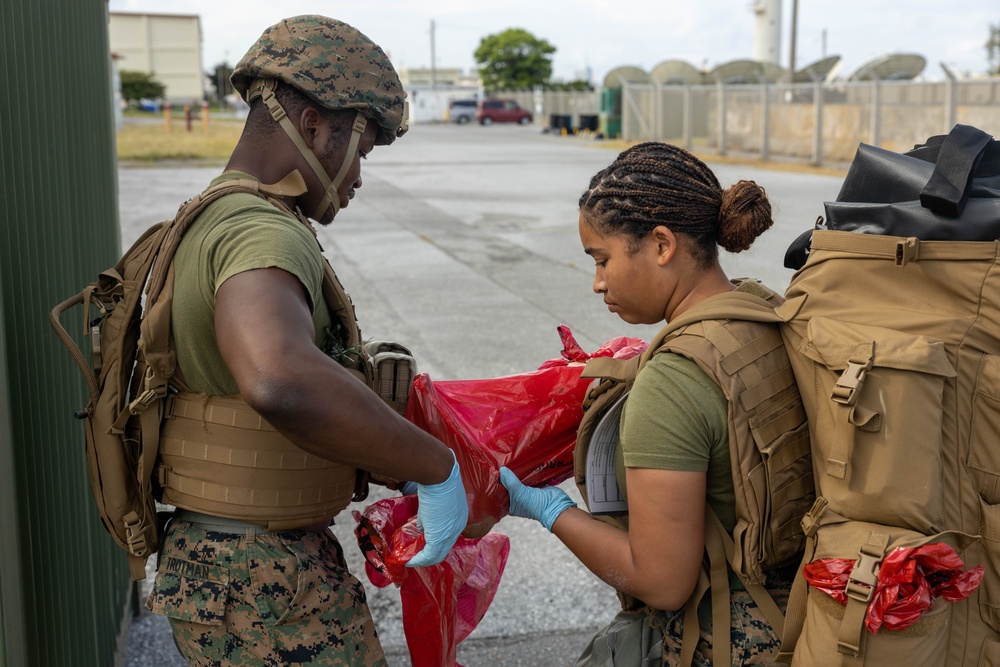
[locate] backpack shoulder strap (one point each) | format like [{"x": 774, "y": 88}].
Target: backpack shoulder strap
[
  {"x": 155, "y": 327},
  {"x": 155, "y": 345},
  {"x": 720, "y": 549},
  {"x": 753, "y": 303}
]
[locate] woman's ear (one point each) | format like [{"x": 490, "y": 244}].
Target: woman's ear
[{"x": 666, "y": 244}]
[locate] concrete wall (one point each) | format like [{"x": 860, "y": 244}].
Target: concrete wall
[{"x": 893, "y": 115}]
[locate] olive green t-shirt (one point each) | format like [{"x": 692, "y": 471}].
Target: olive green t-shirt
[
  {"x": 677, "y": 418},
  {"x": 239, "y": 232}
]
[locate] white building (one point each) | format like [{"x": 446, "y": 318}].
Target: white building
[
  {"x": 430, "y": 91},
  {"x": 167, "y": 46}
]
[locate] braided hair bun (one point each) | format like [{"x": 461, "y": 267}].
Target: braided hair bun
[{"x": 744, "y": 215}]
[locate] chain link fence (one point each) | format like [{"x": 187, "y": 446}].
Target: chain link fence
[{"x": 815, "y": 123}]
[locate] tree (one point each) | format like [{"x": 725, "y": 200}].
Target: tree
[
  {"x": 140, "y": 86},
  {"x": 993, "y": 49},
  {"x": 513, "y": 59},
  {"x": 575, "y": 84},
  {"x": 219, "y": 76}
]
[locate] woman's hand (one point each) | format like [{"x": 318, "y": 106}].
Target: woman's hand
[{"x": 544, "y": 504}]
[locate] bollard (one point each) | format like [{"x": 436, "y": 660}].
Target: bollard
[
  {"x": 166, "y": 116},
  {"x": 204, "y": 117},
  {"x": 187, "y": 117}
]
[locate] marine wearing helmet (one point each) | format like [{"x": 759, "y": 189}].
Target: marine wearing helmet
[{"x": 334, "y": 65}]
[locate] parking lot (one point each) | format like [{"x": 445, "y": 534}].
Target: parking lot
[{"x": 462, "y": 244}]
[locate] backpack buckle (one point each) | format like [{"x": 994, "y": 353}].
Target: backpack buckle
[
  {"x": 135, "y": 535},
  {"x": 864, "y": 576},
  {"x": 849, "y": 384},
  {"x": 907, "y": 250},
  {"x": 144, "y": 400},
  {"x": 155, "y": 390},
  {"x": 811, "y": 519}
]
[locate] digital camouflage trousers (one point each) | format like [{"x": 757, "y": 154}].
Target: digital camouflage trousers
[
  {"x": 268, "y": 599},
  {"x": 644, "y": 639}
]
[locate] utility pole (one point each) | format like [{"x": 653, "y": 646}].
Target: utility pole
[
  {"x": 791, "y": 55},
  {"x": 433, "y": 60}
]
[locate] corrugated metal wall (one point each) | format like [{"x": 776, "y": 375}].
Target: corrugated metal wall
[{"x": 60, "y": 227}]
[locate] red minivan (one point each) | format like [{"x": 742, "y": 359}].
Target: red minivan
[{"x": 501, "y": 111}]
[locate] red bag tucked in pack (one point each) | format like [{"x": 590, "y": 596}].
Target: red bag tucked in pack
[
  {"x": 443, "y": 603},
  {"x": 526, "y": 422},
  {"x": 909, "y": 579}
]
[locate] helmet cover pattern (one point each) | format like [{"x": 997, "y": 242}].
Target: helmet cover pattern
[{"x": 332, "y": 63}]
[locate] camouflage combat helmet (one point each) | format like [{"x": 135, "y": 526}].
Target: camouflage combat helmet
[
  {"x": 337, "y": 67},
  {"x": 331, "y": 62}
]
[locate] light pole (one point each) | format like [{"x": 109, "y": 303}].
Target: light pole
[
  {"x": 791, "y": 55},
  {"x": 433, "y": 60}
]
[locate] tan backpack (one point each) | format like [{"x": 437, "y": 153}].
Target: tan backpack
[
  {"x": 130, "y": 369},
  {"x": 734, "y": 338},
  {"x": 895, "y": 344}
]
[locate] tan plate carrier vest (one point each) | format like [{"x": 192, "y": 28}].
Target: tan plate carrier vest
[
  {"x": 215, "y": 455},
  {"x": 219, "y": 457},
  {"x": 734, "y": 338}
]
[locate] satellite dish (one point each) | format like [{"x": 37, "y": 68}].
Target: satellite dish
[
  {"x": 748, "y": 71},
  {"x": 619, "y": 76},
  {"x": 893, "y": 67},
  {"x": 821, "y": 70},
  {"x": 677, "y": 73}
]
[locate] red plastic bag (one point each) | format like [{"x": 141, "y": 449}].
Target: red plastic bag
[
  {"x": 909, "y": 580},
  {"x": 526, "y": 422},
  {"x": 443, "y": 603}
]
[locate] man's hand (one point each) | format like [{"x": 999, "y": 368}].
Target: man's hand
[
  {"x": 441, "y": 516},
  {"x": 544, "y": 505}
]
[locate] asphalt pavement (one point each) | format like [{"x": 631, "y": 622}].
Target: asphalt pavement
[{"x": 462, "y": 244}]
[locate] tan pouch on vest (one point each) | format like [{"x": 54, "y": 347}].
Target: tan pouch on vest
[{"x": 393, "y": 369}]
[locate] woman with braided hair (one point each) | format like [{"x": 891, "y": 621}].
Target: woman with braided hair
[{"x": 652, "y": 221}]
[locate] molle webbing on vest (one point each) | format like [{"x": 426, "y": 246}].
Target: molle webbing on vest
[
  {"x": 768, "y": 437},
  {"x": 735, "y": 340},
  {"x": 218, "y": 456},
  {"x": 769, "y": 449}
]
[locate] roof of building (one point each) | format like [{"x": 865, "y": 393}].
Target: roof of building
[
  {"x": 891, "y": 67},
  {"x": 625, "y": 74},
  {"x": 677, "y": 72}
]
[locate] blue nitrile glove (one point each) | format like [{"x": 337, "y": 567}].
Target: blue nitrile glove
[
  {"x": 544, "y": 504},
  {"x": 441, "y": 516}
]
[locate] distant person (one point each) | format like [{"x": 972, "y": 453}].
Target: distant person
[
  {"x": 264, "y": 445},
  {"x": 652, "y": 221}
]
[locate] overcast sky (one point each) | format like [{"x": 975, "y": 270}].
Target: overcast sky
[{"x": 604, "y": 34}]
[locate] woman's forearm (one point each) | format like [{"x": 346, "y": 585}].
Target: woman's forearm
[{"x": 607, "y": 552}]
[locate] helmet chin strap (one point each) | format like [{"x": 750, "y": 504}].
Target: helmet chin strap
[{"x": 331, "y": 197}]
